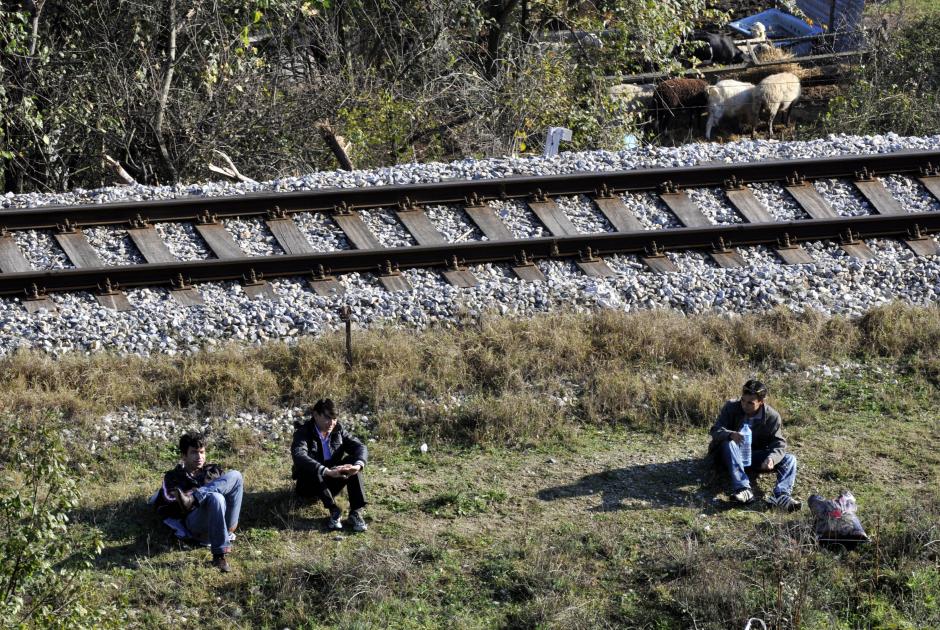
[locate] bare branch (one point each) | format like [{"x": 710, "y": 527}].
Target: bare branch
[
  {"x": 231, "y": 172},
  {"x": 119, "y": 171},
  {"x": 337, "y": 144}
]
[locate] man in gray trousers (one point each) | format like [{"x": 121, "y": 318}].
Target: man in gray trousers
[{"x": 768, "y": 447}]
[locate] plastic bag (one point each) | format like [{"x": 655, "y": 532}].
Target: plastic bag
[{"x": 836, "y": 520}]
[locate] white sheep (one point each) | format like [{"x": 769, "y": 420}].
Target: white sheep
[
  {"x": 775, "y": 94},
  {"x": 728, "y": 99},
  {"x": 633, "y": 98}
]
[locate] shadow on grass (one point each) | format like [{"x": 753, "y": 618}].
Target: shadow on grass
[
  {"x": 679, "y": 483},
  {"x": 131, "y": 529}
]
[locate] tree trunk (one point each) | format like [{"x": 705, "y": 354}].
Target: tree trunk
[{"x": 169, "y": 67}]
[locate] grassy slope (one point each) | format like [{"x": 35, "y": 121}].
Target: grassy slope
[{"x": 526, "y": 514}]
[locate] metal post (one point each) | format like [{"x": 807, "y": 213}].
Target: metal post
[
  {"x": 832, "y": 24},
  {"x": 346, "y": 316}
]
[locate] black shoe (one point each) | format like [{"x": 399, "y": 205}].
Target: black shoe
[{"x": 220, "y": 563}]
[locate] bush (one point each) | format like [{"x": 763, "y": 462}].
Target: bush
[
  {"x": 897, "y": 89},
  {"x": 43, "y": 561}
]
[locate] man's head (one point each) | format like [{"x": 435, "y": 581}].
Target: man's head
[
  {"x": 324, "y": 414},
  {"x": 753, "y": 394},
  {"x": 193, "y": 450}
]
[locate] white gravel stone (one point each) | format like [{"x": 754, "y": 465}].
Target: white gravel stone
[{"x": 833, "y": 283}]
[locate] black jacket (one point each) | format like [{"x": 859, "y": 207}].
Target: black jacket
[
  {"x": 179, "y": 479},
  {"x": 307, "y": 452},
  {"x": 767, "y": 434}
]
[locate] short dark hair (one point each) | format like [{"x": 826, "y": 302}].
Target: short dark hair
[
  {"x": 325, "y": 406},
  {"x": 193, "y": 439},
  {"x": 755, "y": 388}
]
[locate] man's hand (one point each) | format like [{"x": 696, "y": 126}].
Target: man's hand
[
  {"x": 343, "y": 472},
  {"x": 768, "y": 465},
  {"x": 350, "y": 470},
  {"x": 736, "y": 437}
]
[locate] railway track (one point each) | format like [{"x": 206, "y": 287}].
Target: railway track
[{"x": 587, "y": 251}]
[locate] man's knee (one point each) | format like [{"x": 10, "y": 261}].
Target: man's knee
[
  {"x": 788, "y": 461},
  {"x": 235, "y": 477},
  {"x": 729, "y": 447},
  {"x": 214, "y": 501}
]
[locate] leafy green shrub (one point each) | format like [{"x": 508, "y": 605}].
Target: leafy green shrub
[
  {"x": 897, "y": 89},
  {"x": 43, "y": 560}
]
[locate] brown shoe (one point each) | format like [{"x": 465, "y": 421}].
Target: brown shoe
[
  {"x": 220, "y": 563},
  {"x": 185, "y": 500}
]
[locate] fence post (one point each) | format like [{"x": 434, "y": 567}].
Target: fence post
[{"x": 346, "y": 315}]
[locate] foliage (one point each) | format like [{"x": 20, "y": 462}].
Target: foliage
[
  {"x": 897, "y": 89},
  {"x": 160, "y": 86},
  {"x": 43, "y": 562}
]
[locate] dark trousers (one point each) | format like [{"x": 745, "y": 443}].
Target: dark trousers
[{"x": 310, "y": 487}]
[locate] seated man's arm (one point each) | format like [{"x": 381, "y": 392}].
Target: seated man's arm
[
  {"x": 721, "y": 431},
  {"x": 355, "y": 449},
  {"x": 300, "y": 454},
  {"x": 777, "y": 445}
]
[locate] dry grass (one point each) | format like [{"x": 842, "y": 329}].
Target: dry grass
[{"x": 493, "y": 380}]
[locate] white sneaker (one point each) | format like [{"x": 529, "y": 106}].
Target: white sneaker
[
  {"x": 336, "y": 520},
  {"x": 358, "y": 523},
  {"x": 743, "y": 495}
]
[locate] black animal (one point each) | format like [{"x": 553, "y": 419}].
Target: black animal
[{"x": 715, "y": 48}]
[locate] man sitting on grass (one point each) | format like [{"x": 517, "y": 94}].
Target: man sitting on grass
[
  {"x": 207, "y": 499},
  {"x": 768, "y": 447},
  {"x": 327, "y": 459}
]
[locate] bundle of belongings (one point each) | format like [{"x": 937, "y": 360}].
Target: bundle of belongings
[{"x": 835, "y": 521}]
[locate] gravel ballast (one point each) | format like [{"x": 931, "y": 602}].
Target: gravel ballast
[{"x": 833, "y": 284}]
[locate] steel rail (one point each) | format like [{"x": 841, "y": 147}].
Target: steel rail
[
  {"x": 346, "y": 261},
  {"x": 460, "y": 191}
]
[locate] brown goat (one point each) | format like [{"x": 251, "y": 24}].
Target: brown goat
[{"x": 674, "y": 97}]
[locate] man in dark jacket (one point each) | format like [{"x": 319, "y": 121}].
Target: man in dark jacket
[
  {"x": 327, "y": 459},
  {"x": 768, "y": 447},
  {"x": 206, "y": 498}
]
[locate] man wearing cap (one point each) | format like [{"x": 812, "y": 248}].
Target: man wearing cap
[
  {"x": 327, "y": 459},
  {"x": 768, "y": 447}
]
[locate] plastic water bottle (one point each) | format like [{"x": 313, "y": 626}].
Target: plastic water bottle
[{"x": 746, "y": 444}]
